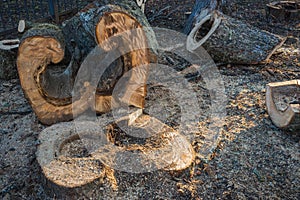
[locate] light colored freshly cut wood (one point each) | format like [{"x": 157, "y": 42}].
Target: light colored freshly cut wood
[
  {"x": 40, "y": 46},
  {"x": 77, "y": 158},
  {"x": 283, "y": 104}
]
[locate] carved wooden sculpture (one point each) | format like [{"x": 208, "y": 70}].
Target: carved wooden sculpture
[
  {"x": 48, "y": 72},
  {"x": 81, "y": 157},
  {"x": 47, "y": 79}
]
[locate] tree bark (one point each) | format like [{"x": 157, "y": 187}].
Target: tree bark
[
  {"x": 47, "y": 79},
  {"x": 8, "y": 66},
  {"x": 229, "y": 40},
  {"x": 283, "y": 104}
]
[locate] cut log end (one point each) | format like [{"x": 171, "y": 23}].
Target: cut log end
[
  {"x": 44, "y": 48},
  {"x": 205, "y": 28},
  {"x": 284, "y": 10},
  {"x": 283, "y": 104}
]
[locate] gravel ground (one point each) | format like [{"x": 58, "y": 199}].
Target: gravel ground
[{"x": 254, "y": 159}]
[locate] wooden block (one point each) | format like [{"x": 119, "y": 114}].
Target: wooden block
[{"x": 283, "y": 104}]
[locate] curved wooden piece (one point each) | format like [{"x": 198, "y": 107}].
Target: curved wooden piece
[
  {"x": 40, "y": 46},
  {"x": 156, "y": 146},
  {"x": 71, "y": 154},
  {"x": 115, "y": 19},
  {"x": 135, "y": 52},
  {"x": 68, "y": 170},
  {"x": 283, "y": 104},
  {"x": 192, "y": 44},
  {"x": 48, "y": 83}
]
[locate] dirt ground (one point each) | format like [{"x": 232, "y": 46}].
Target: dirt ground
[{"x": 254, "y": 159}]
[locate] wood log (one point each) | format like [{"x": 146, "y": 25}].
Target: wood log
[
  {"x": 47, "y": 79},
  {"x": 201, "y": 9},
  {"x": 76, "y": 163},
  {"x": 283, "y": 104},
  {"x": 130, "y": 16},
  {"x": 68, "y": 171},
  {"x": 229, "y": 40},
  {"x": 40, "y": 46}
]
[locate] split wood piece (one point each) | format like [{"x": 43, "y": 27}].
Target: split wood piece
[
  {"x": 229, "y": 40},
  {"x": 9, "y": 44},
  {"x": 284, "y": 10},
  {"x": 283, "y": 104},
  {"x": 48, "y": 85}
]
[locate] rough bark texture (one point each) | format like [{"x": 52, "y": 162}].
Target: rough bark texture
[
  {"x": 233, "y": 41},
  {"x": 8, "y": 66},
  {"x": 283, "y": 104},
  {"x": 48, "y": 80},
  {"x": 72, "y": 158}
]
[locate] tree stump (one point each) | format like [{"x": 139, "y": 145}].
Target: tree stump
[
  {"x": 47, "y": 73},
  {"x": 283, "y": 104},
  {"x": 78, "y": 159},
  {"x": 229, "y": 40}
]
